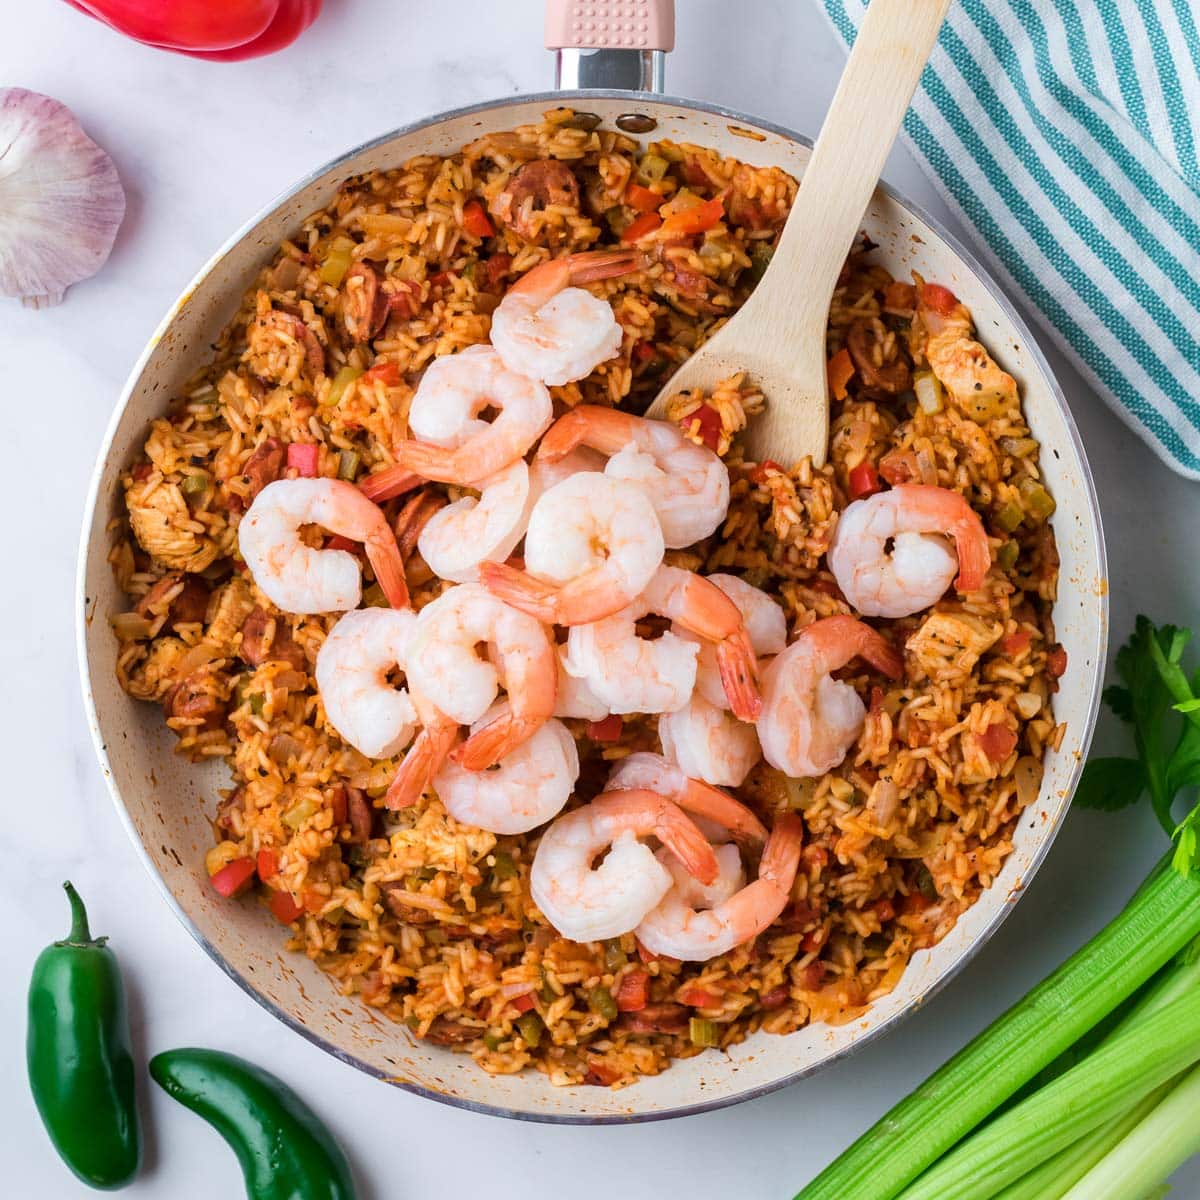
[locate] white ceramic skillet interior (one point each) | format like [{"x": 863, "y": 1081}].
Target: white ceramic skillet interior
[{"x": 166, "y": 803}]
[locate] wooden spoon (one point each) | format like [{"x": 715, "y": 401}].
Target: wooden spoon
[{"x": 778, "y": 335}]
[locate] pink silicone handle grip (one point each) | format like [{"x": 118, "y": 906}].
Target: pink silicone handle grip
[{"x": 610, "y": 24}]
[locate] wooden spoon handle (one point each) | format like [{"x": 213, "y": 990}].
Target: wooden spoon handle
[{"x": 885, "y": 65}]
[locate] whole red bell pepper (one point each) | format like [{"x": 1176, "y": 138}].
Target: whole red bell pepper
[{"x": 226, "y": 32}]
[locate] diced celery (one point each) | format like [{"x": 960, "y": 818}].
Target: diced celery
[
  {"x": 341, "y": 381},
  {"x": 336, "y": 262},
  {"x": 704, "y": 1032}
]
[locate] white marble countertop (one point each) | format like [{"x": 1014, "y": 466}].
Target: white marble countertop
[{"x": 201, "y": 147}]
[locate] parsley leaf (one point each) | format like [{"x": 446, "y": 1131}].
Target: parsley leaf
[
  {"x": 1159, "y": 699},
  {"x": 1110, "y": 783}
]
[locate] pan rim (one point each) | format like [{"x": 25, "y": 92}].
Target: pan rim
[{"x": 82, "y": 623}]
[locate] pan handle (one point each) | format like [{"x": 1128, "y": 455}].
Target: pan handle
[{"x": 610, "y": 43}]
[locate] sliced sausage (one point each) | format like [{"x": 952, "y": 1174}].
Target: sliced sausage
[
  {"x": 256, "y": 649},
  {"x": 195, "y": 698},
  {"x": 393, "y": 898},
  {"x": 360, "y": 815},
  {"x": 545, "y": 181},
  {"x": 892, "y": 378},
  {"x": 364, "y": 304},
  {"x": 187, "y": 607},
  {"x": 656, "y": 1018},
  {"x": 265, "y": 465}
]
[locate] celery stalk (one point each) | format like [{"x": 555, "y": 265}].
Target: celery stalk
[
  {"x": 1158, "y": 922},
  {"x": 1055, "y": 1176},
  {"x": 1161, "y": 1142},
  {"x": 1052, "y": 1179},
  {"x": 1107, "y": 1083}
]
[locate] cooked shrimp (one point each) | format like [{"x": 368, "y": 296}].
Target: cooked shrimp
[
  {"x": 445, "y": 667},
  {"x": 544, "y": 474},
  {"x": 679, "y": 930},
  {"x": 916, "y": 519},
  {"x": 527, "y": 788},
  {"x": 548, "y": 328},
  {"x": 809, "y": 719},
  {"x": 655, "y": 773},
  {"x": 703, "y": 608},
  {"x": 295, "y": 577},
  {"x": 353, "y": 665},
  {"x": 455, "y": 446},
  {"x": 460, "y": 536},
  {"x": 575, "y": 698},
  {"x": 588, "y": 903},
  {"x": 731, "y": 877},
  {"x": 709, "y": 743},
  {"x": 765, "y": 624},
  {"x": 635, "y": 674},
  {"x": 590, "y": 548},
  {"x": 425, "y": 756},
  {"x": 964, "y": 367},
  {"x": 687, "y": 484},
  {"x": 630, "y": 673}
]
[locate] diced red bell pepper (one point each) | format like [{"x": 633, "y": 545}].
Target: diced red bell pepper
[
  {"x": 764, "y": 468},
  {"x": 233, "y": 878},
  {"x": 600, "y": 1074},
  {"x": 141, "y": 471},
  {"x": 1056, "y": 662},
  {"x": 698, "y": 997},
  {"x": 267, "y": 864},
  {"x": 608, "y": 730},
  {"x": 633, "y": 991},
  {"x": 523, "y": 1003},
  {"x": 640, "y": 226},
  {"x": 644, "y": 199},
  {"x": 939, "y": 299},
  {"x": 916, "y": 902},
  {"x": 312, "y": 900},
  {"x": 697, "y": 219},
  {"x": 705, "y": 423},
  {"x": 476, "y": 221},
  {"x": 864, "y": 480},
  {"x": 303, "y": 456},
  {"x": 997, "y": 741},
  {"x": 647, "y": 956},
  {"x": 642, "y": 351},
  {"x": 284, "y": 907},
  {"x": 386, "y": 371},
  {"x": 885, "y": 910},
  {"x": 1016, "y": 643},
  {"x": 839, "y": 371},
  {"x": 497, "y": 268},
  {"x": 442, "y": 278}
]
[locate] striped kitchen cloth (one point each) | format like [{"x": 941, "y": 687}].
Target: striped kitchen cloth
[{"x": 1066, "y": 134}]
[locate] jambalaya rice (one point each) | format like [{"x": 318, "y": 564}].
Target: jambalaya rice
[{"x": 429, "y": 921}]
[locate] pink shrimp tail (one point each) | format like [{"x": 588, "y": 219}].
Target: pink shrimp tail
[
  {"x": 677, "y": 831},
  {"x": 738, "y": 665},
  {"x": 845, "y": 637},
  {"x": 565, "y": 435},
  {"x": 494, "y": 741},
  {"x": 421, "y": 763},
  {"x": 781, "y": 855},
  {"x": 390, "y": 482},
  {"x": 704, "y": 800},
  {"x": 974, "y": 557},
  {"x": 386, "y": 562},
  {"x": 592, "y": 265},
  {"x": 520, "y": 590},
  {"x": 437, "y": 463}
]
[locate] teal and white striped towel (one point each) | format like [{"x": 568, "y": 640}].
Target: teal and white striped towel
[{"x": 1066, "y": 135}]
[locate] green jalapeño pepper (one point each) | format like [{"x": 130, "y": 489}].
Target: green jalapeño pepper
[
  {"x": 284, "y": 1150},
  {"x": 80, "y": 1063}
]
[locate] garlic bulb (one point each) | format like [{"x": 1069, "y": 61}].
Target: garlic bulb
[{"x": 61, "y": 200}]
